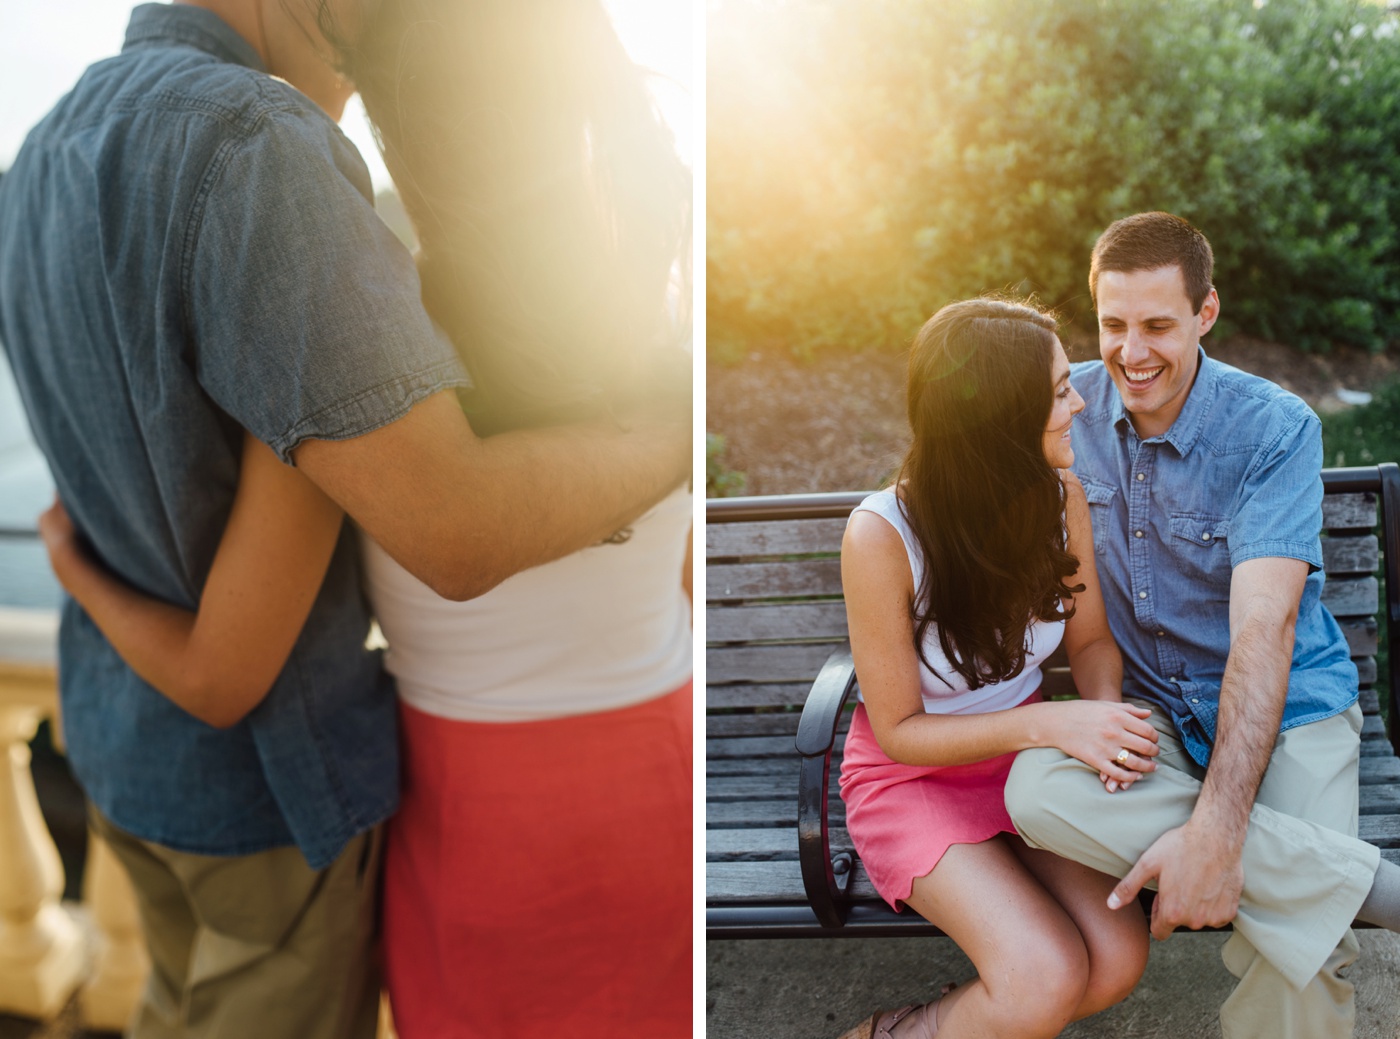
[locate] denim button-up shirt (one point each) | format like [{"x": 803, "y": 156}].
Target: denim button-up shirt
[
  {"x": 1236, "y": 477},
  {"x": 188, "y": 248}
]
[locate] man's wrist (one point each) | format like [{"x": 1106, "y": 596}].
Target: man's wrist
[{"x": 1222, "y": 828}]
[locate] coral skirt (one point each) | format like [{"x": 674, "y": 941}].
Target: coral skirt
[
  {"x": 902, "y": 818},
  {"x": 537, "y": 878}
]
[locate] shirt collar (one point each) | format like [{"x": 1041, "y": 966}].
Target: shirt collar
[
  {"x": 1186, "y": 430},
  {"x": 195, "y": 26}
]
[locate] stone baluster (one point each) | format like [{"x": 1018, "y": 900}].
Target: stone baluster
[{"x": 42, "y": 951}]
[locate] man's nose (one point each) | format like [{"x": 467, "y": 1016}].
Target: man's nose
[{"x": 1134, "y": 350}]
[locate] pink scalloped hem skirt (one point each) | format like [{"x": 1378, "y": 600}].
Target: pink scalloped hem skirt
[{"x": 902, "y": 818}]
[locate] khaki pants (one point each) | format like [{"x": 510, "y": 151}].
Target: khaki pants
[
  {"x": 1305, "y": 873},
  {"x": 255, "y": 946}
]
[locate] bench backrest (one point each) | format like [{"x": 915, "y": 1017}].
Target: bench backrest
[{"x": 774, "y": 610}]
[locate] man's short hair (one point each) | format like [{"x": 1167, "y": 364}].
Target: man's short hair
[{"x": 1148, "y": 241}]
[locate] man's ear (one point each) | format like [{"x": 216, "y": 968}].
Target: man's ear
[{"x": 1210, "y": 310}]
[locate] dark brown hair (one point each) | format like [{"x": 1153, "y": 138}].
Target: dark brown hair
[
  {"x": 552, "y": 210},
  {"x": 1148, "y": 241},
  {"x": 986, "y": 506}
]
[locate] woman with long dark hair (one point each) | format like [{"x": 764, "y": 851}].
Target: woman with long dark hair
[
  {"x": 960, "y": 580},
  {"x": 537, "y": 876}
]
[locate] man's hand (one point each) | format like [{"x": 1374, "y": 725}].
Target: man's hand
[{"x": 1199, "y": 877}]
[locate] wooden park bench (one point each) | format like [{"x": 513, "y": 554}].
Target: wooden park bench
[{"x": 779, "y": 863}]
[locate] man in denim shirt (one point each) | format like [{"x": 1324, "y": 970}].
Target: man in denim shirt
[
  {"x": 1205, "y": 488},
  {"x": 188, "y": 250}
]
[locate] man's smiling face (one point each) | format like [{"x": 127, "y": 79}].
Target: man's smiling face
[{"x": 1147, "y": 338}]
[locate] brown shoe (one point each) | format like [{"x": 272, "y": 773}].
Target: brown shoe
[{"x": 922, "y": 1023}]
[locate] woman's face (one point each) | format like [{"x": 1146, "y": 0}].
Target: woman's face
[{"x": 1065, "y": 404}]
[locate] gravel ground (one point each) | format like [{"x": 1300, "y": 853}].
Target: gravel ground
[{"x": 817, "y": 989}]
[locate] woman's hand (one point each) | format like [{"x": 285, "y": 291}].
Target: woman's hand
[
  {"x": 1097, "y": 732},
  {"x": 60, "y": 537}
]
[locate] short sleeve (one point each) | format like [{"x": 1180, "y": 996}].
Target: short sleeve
[
  {"x": 1280, "y": 503},
  {"x": 305, "y": 311}
]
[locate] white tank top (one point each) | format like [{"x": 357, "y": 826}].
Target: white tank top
[
  {"x": 954, "y": 696},
  {"x": 606, "y": 627}
]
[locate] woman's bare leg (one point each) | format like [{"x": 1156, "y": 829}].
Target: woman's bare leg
[
  {"x": 1032, "y": 964},
  {"x": 1116, "y": 940}
]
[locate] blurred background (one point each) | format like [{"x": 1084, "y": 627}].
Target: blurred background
[{"x": 871, "y": 160}]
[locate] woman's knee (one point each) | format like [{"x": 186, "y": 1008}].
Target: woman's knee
[
  {"x": 1112, "y": 978},
  {"x": 1040, "y": 992}
]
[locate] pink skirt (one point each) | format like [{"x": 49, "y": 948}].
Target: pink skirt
[
  {"x": 537, "y": 879},
  {"x": 902, "y": 818}
]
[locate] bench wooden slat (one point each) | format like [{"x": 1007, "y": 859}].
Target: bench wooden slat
[
  {"x": 773, "y": 538},
  {"x": 776, "y": 845},
  {"x": 781, "y": 580},
  {"x": 1360, "y": 555},
  {"x": 796, "y": 620},
  {"x": 1379, "y": 770},
  {"x": 1381, "y": 830},
  {"x": 775, "y": 724},
  {"x": 766, "y": 663},
  {"x": 738, "y": 883},
  {"x": 760, "y": 694},
  {"x": 763, "y": 788},
  {"x": 1349, "y": 511},
  {"x": 753, "y": 766},
  {"x": 1363, "y": 635},
  {"x": 751, "y": 747},
  {"x": 1351, "y": 596},
  {"x": 1376, "y": 798},
  {"x": 730, "y": 815},
  {"x": 1365, "y": 673}
]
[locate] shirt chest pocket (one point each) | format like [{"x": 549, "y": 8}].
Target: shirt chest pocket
[
  {"x": 1100, "y": 497},
  {"x": 1200, "y": 548}
]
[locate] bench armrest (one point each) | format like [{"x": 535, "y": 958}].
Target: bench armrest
[
  {"x": 827, "y": 883},
  {"x": 1390, "y": 542}
]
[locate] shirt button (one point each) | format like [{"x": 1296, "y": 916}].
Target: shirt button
[
  {"x": 1160, "y": 634},
  {"x": 1142, "y": 595},
  {"x": 1137, "y": 533},
  {"x": 1205, "y": 536},
  {"x": 1195, "y": 699},
  {"x": 1141, "y": 477}
]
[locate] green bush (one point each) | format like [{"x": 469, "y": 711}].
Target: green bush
[
  {"x": 1364, "y": 435},
  {"x": 869, "y": 160},
  {"x": 720, "y": 481}
]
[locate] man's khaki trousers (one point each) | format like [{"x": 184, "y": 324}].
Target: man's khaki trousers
[
  {"x": 254, "y": 946},
  {"x": 1305, "y": 873}
]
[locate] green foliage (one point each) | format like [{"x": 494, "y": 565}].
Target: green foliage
[
  {"x": 1364, "y": 435},
  {"x": 870, "y": 160},
  {"x": 720, "y": 482}
]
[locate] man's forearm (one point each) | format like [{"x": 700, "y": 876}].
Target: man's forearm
[
  {"x": 463, "y": 513},
  {"x": 1252, "y": 697},
  {"x": 541, "y": 494}
]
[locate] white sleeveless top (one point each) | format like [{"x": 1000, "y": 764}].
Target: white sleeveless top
[
  {"x": 604, "y": 628},
  {"x": 954, "y": 696}
]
